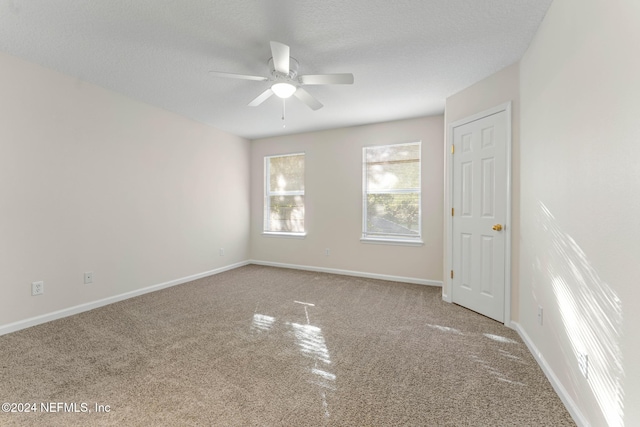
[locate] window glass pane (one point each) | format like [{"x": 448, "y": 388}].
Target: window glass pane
[
  {"x": 390, "y": 153},
  {"x": 392, "y": 191},
  {"x": 392, "y": 167},
  {"x": 286, "y": 173},
  {"x": 398, "y": 174},
  {"x": 284, "y": 194},
  {"x": 286, "y": 213},
  {"x": 393, "y": 214}
]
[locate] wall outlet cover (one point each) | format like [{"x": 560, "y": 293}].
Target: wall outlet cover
[
  {"x": 88, "y": 277},
  {"x": 540, "y": 315},
  {"x": 37, "y": 288}
]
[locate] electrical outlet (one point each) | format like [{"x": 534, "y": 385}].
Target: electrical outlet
[
  {"x": 37, "y": 288},
  {"x": 221, "y": 251},
  {"x": 583, "y": 364},
  {"x": 88, "y": 277},
  {"x": 327, "y": 252},
  {"x": 540, "y": 315}
]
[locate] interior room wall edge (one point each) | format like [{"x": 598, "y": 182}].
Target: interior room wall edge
[
  {"x": 557, "y": 385},
  {"x": 77, "y": 309},
  {"x": 387, "y": 277}
]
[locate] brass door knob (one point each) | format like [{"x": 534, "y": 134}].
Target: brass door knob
[{"x": 497, "y": 227}]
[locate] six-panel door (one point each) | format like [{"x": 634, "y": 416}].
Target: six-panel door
[{"x": 479, "y": 202}]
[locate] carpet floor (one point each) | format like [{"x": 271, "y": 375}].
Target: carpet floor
[{"x": 264, "y": 346}]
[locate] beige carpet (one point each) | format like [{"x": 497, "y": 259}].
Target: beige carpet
[{"x": 261, "y": 346}]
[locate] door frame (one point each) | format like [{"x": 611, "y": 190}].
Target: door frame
[{"x": 447, "y": 289}]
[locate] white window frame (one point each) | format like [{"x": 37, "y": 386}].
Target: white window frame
[
  {"x": 268, "y": 194},
  {"x": 386, "y": 238}
]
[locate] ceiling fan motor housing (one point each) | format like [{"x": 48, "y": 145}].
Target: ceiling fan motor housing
[{"x": 293, "y": 70}]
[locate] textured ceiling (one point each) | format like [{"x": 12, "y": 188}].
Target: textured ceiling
[{"x": 406, "y": 56}]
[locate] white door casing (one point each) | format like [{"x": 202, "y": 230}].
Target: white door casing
[{"x": 479, "y": 224}]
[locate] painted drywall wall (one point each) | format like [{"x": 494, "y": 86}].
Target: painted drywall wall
[
  {"x": 333, "y": 198},
  {"x": 495, "y": 90},
  {"x": 580, "y": 204},
  {"x": 93, "y": 181}
]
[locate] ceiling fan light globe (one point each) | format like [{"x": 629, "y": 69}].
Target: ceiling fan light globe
[{"x": 283, "y": 90}]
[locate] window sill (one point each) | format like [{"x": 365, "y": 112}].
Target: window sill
[
  {"x": 398, "y": 242},
  {"x": 284, "y": 234}
]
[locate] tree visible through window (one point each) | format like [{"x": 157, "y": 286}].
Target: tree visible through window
[
  {"x": 284, "y": 193},
  {"x": 391, "y": 192}
]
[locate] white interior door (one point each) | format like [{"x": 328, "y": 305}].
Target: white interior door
[{"x": 479, "y": 201}]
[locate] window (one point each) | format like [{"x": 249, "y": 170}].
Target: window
[
  {"x": 391, "y": 193},
  {"x": 284, "y": 194}
]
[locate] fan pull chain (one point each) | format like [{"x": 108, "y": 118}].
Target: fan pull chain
[{"x": 283, "y": 111}]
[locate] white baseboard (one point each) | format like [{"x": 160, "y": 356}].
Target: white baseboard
[
  {"x": 33, "y": 321},
  {"x": 571, "y": 406},
  {"x": 350, "y": 273},
  {"x": 573, "y": 409}
]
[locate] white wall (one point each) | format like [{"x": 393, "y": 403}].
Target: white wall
[
  {"x": 490, "y": 92},
  {"x": 333, "y": 198},
  {"x": 580, "y": 202},
  {"x": 93, "y": 181}
]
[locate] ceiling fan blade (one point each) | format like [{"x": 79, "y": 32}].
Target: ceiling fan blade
[
  {"x": 327, "y": 79},
  {"x": 238, "y": 76},
  {"x": 261, "y": 98},
  {"x": 280, "y": 53},
  {"x": 306, "y": 97}
]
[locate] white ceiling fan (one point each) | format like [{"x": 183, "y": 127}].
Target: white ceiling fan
[{"x": 284, "y": 79}]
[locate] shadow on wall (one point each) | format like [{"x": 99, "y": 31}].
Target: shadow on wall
[{"x": 591, "y": 313}]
